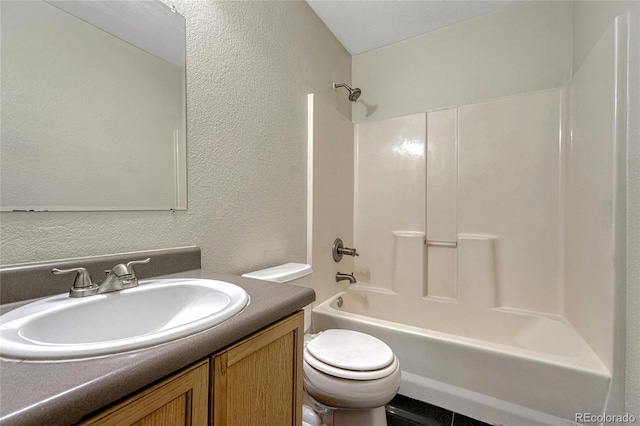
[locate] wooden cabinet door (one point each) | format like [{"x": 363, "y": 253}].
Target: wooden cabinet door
[
  {"x": 182, "y": 399},
  {"x": 258, "y": 382}
]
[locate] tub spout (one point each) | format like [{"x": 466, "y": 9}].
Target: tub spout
[{"x": 345, "y": 277}]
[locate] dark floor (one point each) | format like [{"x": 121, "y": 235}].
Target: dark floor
[{"x": 404, "y": 411}]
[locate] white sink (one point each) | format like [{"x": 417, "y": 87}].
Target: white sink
[{"x": 157, "y": 311}]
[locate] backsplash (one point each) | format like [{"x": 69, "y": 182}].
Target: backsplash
[{"x": 32, "y": 280}]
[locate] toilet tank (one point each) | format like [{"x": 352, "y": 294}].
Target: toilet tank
[{"x": 290, "y": 273}]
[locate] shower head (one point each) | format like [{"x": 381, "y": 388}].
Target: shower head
[{"x": 354, "y": 94}]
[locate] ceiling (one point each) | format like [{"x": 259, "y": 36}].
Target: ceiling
[{"x": 363, "y": 25}]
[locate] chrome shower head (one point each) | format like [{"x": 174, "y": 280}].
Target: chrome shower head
[{"x": 354, "y": 94}]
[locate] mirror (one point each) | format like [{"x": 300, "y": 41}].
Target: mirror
[{"x": 93, "y": 106}]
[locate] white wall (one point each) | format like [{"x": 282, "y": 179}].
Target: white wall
[
  {"x": 330, "y": 195},
  {"x": 525, "y": 48},
  {"x": 508, "y": 186},
  {"x": 250, "y": 66},
  {"x": 590, "y": 21},
  {"x": 389, "y": 193},
  {"x": 589, "y": 254},
  {"x": 502, "y": 179}
]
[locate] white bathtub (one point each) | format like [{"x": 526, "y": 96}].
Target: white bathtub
[{"x": 498, "y": 366}]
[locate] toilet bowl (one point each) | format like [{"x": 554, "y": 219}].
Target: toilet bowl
[
  {"x": 353, "y": 373},
  {"x": 348, "y": 374}
]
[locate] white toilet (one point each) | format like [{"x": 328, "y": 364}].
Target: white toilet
[{"x": 347, "y": 373}]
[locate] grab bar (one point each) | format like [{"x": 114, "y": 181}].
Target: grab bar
[{"x": 447, "y": 244}]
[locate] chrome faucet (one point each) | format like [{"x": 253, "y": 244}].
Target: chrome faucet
[
  {"x": 345, "y": 277},
  {"x": 120, "y": 277}
]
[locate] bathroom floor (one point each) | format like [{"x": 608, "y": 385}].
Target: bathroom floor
[{"x": 405, "y": 411}]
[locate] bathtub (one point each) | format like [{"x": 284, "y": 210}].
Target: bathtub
[{"x": 499, "y": 366}]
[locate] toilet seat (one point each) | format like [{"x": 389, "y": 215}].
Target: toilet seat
[
  {"x": 350, "y": 374},
  {"x": 348, "y": 354},
  {"x": 335, "y": 392}
]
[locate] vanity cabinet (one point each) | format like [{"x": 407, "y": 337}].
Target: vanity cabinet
[
  {"x": 258, "y": 381},
  {"x": 181, "y": 399},
  {"x": 254, "y": 382}
]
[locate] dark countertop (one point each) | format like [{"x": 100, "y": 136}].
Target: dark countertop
[{"x": 52, "y": 393}]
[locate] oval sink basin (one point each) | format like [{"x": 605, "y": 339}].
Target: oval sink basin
[{"x": 157, "y": 311}]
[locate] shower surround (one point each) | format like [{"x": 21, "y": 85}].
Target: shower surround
[
  {"x": 458, "y": 218},
  {"x": 491, "y": 177},
  {"x": 491, "y": 239}
]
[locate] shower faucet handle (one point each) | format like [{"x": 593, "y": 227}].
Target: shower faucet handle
[
  {"x": 340, "y": 250},
  {"x": 349, "y": 251}
]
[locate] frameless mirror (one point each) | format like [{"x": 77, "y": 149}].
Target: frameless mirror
[{"x": 93, "y": 106}]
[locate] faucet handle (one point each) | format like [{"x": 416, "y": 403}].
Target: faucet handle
[
  {"x": 137, "y": 262},
  {"x": 83, "y": 279},
  {"x": 338, "y": 250},
  {"x": 349, "y": 251},
  {"x": 121, "y": 269}
]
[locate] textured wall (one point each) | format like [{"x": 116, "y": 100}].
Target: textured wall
[
  {"x": 250, "y": 66},
  {"x": 521, "y": 49}
]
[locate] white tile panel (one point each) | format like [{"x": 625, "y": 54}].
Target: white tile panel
[
  {"x": 442, "y": 280},
  {"x": 442, "y": 176},
  {"x": 409, "y": 263},
  {"x": 389, "y": 190},
  {"x": 508, "y": 186},
  {"x": 329, "y": 194}
]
